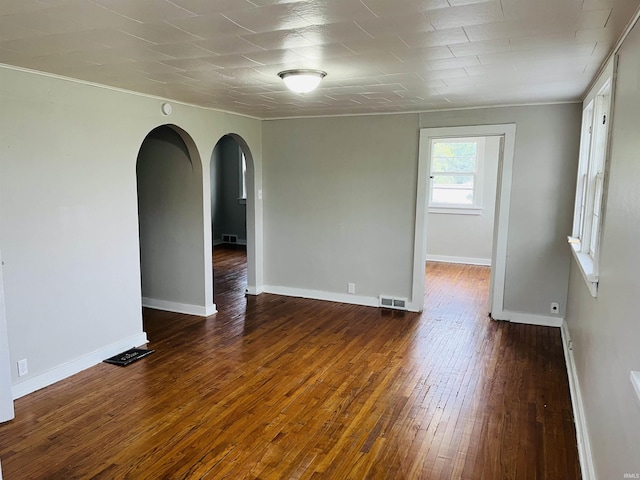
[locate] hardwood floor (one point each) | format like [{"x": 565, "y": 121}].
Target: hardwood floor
[{"x": 282, "y": 388}]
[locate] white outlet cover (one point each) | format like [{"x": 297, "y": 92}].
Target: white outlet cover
[{"x": 23, "y": 368}]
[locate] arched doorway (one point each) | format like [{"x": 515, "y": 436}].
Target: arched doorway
[
  {"x": 232, "y": 218},
  {"x": 170, "y": 213}
]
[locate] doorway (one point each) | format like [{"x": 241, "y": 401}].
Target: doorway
[
  {"x": 170, "y": 213},
  {"x": 231, "y": 171},
  {"x": 428, "y": 140}
]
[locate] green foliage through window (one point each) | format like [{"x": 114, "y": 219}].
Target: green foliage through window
[{"x": 453, "y": 172}]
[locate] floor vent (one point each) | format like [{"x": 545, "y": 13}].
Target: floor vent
[
  {"x": 228, "y": 238},
  {"x": 396, "y": 303}
]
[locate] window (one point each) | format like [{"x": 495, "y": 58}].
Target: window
[
  {"x": 456, "y": 168},
  {"x": 243, "y": 178},
  {"x": 585, "y": 239}
]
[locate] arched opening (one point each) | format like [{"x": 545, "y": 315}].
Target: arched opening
[
  {"x": 170, "y": 213},
  {"x": 232, "y": 219}
]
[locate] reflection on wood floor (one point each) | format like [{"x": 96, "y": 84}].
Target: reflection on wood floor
[{"x": 280, "y": 388}]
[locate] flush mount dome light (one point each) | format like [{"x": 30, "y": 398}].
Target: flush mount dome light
[{"x": 302, "y": 81}]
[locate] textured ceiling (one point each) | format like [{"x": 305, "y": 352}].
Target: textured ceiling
[{"x": 380, "y": 55}]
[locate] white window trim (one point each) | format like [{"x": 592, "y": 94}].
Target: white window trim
[
  {"x": 451, "y": 208},
  {"x": 585, "y": 262},
  {"x": 242, "y": 199},
  {"x": 591, "y": 181}
]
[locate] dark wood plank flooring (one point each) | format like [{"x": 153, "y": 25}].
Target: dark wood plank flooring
[{"x": 283, "y": 388}]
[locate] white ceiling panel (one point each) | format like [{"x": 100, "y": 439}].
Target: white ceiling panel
[
  {"x": 278, "y": 39},
  {"x": 480, "y": 48},
  {"x": 145, "y": 10},
  {"x": 497, "y": 30},
  {"x": 379, "y": 55},
  {"x": 394, "y": 24},
  {"x": 463, "y": 15},
  {"x": 320, "y": 52},
  {"x": 273, "y": 17},
  {"x": 209, "y": 26},
  {"x": 83, "y": 15},
  {"x": 447, "y": 36},
  {"x": 382, "y": 8},
  {"x": 200, "y": 7},
  {"x": 457, "y": 62}
]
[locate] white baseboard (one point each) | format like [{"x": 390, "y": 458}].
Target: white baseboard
[
  {"x": 254, "y": 290},
  {"x": 75, "y": 366},
  {"x": 320, "y": 295},
  {"x": 465, "y": 260},
  {"x": 220, "y": 242},
  {"x": 582, "y": 435},
  {"x": 185, "y": 308},
  {"x": 528, "y": 318}
]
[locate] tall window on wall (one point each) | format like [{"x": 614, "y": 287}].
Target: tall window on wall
[
  {"x": 456, "y": 170},
  {"x": 585, "y": 239},
  {"x": 243, "y": 178}
]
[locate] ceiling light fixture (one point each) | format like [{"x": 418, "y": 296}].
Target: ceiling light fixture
[{"x": 302, "y": 81}]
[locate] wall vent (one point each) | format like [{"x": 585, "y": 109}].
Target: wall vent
[
  {"x": 395, "y": 303},
  {"x": 228, "y": 238}
]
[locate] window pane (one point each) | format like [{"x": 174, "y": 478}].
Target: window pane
[
  {"x": 454, "y": 164},
  {"x": 457, "y": 189},
  {"x": 595, "y": 221},
  {"x": 243, "y": 175},
  {"x": 453, "y": 181},
  {"x": 454, "y": 149},
  {"x": 459, "y": 196},
  {"x": 454, "y": 167},
  {"x": 454, "y": 157}
]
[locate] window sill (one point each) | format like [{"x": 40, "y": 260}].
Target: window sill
[
  {"x": 585, "y": 262},
  {"x": 456, "y": 210}
]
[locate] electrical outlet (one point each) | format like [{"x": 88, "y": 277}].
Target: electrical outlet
[
  {"x": 23, "y": 368},
  {"x": 351, "y": 288},
  {"x": 555, "y": 307}
]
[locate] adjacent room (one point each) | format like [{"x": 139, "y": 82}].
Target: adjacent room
[{"x": 421, "y": 264}]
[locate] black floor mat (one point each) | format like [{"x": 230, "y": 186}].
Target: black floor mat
[{"x": 125, "y": 358}]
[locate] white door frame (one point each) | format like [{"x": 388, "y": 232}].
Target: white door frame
[
  {"x": 6, "y": 395},
  {"x": 503, "y": 203}
]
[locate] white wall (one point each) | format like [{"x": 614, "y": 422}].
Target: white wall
[
  {"x": 68, "y": 208},
  {"x": 468, "y": 238},
  {"x": 542, "y": 193},
  {"x": 170, "y": 219},
  {"x": 605, "y": 331},
  {"x": 340, "y": 201}
]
